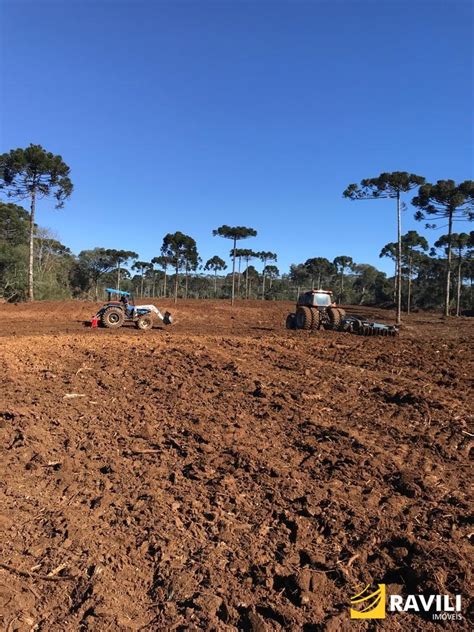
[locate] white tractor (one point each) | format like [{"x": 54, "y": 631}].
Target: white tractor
[{"x": 316, "y": 309}]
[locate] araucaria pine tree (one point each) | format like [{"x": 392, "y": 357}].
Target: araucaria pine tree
[
  {"x": 34, "y": 173},
  {"x": 388, "y": 185},
  {"x": 236, "y": 233},
  {"x": 446, "y": 200}
]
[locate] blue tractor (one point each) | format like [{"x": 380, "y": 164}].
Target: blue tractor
[{"x": 115, "y": 313}]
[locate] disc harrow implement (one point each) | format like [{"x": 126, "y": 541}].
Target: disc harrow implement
[{"x": 362, "y": 327}]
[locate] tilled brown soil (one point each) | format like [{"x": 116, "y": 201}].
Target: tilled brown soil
[{"x": 227, "y": 474}]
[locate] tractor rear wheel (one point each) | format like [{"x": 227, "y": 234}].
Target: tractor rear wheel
[
  {"x": 304, "y": 318},
  {"x": 112, "y": 318},
  {"x": 144, "y": 322},
  {"x": 291, "y": 321},
  {"x": 335, "y": 316},
  {"x": 316, "y": 324}
]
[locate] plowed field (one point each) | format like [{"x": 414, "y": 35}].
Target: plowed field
[{"x": 227, "y": 474}]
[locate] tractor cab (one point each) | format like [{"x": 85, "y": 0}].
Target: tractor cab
[
  {"x": 118, "y": 297},
  {"x": 121, "y": 299},
  {"x": 316, "y": 298}
]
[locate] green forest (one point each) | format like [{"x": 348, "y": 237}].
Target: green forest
[{"x": 430, "y": 276}]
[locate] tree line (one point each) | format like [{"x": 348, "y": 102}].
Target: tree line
[{"x": 33, "y": 264}]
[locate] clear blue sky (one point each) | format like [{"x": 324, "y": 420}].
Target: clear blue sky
[{"x": 187, "y": 115}]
